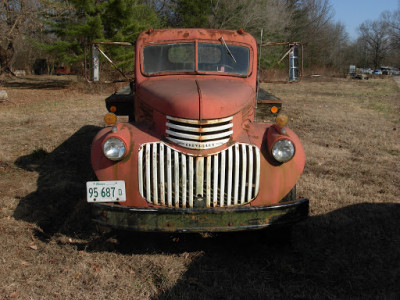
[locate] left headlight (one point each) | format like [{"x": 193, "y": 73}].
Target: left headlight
[
  {"x": 283, "y": 150},
  {"x": 114, "y": 149}
]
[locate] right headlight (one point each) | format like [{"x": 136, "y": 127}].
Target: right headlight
[
  {"x": 114, "y": 149},
  {"x": 283, "y": 150}
]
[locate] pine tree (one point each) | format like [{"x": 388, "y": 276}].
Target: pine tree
[{"x": 78, "y": 23}]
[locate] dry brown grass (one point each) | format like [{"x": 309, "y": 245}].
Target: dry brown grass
[{"x": 348, "y": 248}]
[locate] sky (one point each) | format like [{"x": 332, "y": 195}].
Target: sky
[{"x": 352, "y": 13}]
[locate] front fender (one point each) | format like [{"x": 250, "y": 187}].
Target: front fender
[
  {"x": 276, "y": 179},
  {"x": 125, "y": 169}
]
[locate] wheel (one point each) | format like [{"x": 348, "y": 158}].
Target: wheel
[{"x": 102, "y": 230}]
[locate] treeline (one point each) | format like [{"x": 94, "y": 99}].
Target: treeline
[{"x": 58, "y": 31}]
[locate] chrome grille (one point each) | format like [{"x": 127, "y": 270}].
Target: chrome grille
[
  {"x": 199, "y": 134},
  {"x": 170, "y": 178}
]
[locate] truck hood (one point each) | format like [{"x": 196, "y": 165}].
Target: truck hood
[{"x": 196, "y": 98}]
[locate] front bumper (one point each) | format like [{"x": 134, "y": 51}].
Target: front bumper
[{"x": 199, "y": 220}]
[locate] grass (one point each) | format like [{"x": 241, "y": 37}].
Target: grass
[{"x": 349, "y": 247}]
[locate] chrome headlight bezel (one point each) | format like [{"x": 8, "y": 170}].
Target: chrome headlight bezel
[
  {"x": 283, "y": 150},
  {"x": 114, "y": 149}
]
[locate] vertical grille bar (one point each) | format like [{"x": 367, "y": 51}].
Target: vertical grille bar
[
  {"x": 244, "y": 170},
  {"x": 257, "y": 185},
  {"x": 155, "y": 171},
  {"x": 250, "y": 181},
  {"x": 140, "y": 168},
  {"x": 148, "y": 190},
  {"x": 236, "y": 184},
  {"x": 229, "y": 185},
  {"x": 169, "y": 177},
  {"x": 208, "y": 181},
  {"x": 199, "y": 175},
  {"x": 215, "y": 186},
  {"x": 176, "y": 177},
  {"x": 184, "y": 178},
  {"x": 162, "y": 179},
  {"x": 222, "y": 180},
  {"x": 191, "y": 184}
]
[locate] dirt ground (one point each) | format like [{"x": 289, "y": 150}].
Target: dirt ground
[{"x": 349, "y": 247}]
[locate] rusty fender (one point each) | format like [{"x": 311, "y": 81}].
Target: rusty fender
[{"x": 277, "y": 179}]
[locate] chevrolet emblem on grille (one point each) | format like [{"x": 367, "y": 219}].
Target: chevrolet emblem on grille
[{"x": 199, "y": 134}]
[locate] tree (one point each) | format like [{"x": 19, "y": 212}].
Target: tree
[
  {"x": 392, "y": 20},
  {"x": 88, "y": 21},
  {"x": 190, "y": 13},
  {"x": 251, "y": 15},
  {"x": 17, "y": 18},
  {"x": 375, "y": 39},
  {"x": 312, "y": 24},
  {"x": 75, "y": 24}
]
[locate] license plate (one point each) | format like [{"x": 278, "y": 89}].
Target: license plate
[{"x": 106, "y": 191}]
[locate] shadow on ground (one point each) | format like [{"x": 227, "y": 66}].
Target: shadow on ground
[
  {"x": 350, "y": 253},
  {"x": 353, "y": 252},
  {"x": 58, "y": 205}
]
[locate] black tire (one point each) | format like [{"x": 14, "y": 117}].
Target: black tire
[{"x": 102, "y": 230}]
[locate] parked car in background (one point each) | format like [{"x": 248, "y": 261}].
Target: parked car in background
[
  {"x": 395, "y": 72},
  {"x": 63, "y": 71},
  {"x": 367, "y": 71}
]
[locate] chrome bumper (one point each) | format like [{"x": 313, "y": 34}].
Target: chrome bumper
[{"x": 199, "y": 220}]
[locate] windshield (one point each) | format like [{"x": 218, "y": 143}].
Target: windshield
[
  {"x": 168, "y": 58},
  {"x": 180, "y": 57}
]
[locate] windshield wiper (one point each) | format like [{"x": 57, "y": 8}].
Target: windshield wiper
[{"x": 227, "y": 49}]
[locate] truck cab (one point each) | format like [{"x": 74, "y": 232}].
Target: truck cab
[{"x": 192, "y": 158}]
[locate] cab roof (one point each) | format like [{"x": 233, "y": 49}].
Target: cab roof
[{"x": 161, "y": 35}]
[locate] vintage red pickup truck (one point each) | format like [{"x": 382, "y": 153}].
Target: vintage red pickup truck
[{"x": 192, "y": 158}]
